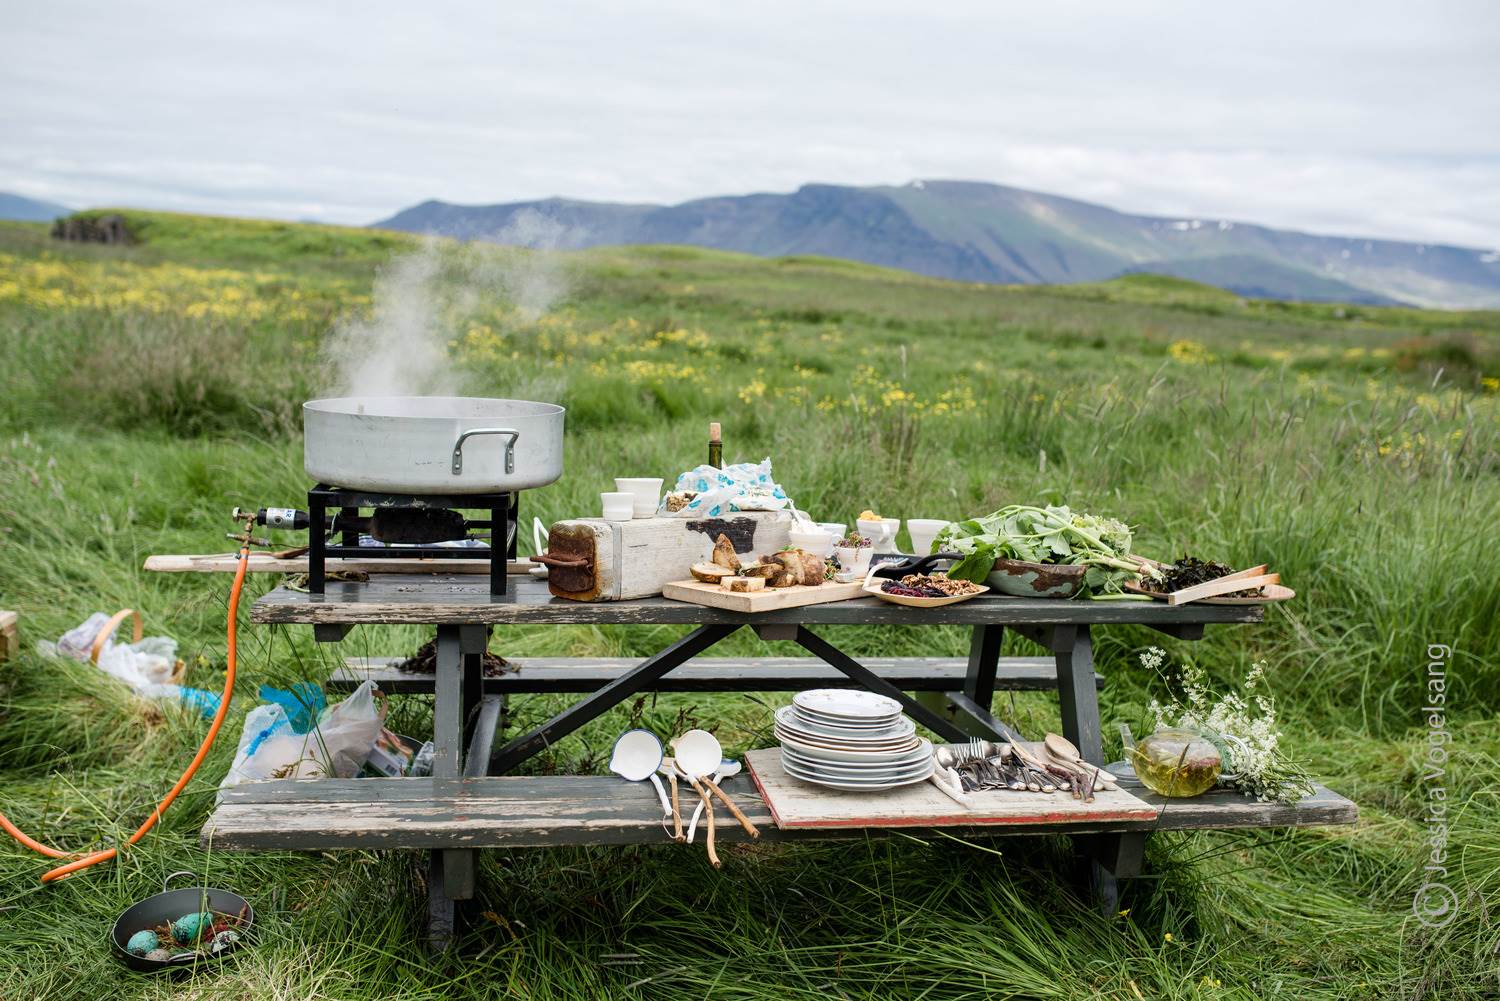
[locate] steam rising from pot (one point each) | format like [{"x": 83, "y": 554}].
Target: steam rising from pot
[{"x": 425, "y": 300}]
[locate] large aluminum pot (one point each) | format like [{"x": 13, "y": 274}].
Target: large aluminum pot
[{"x": 432, "y": 444}]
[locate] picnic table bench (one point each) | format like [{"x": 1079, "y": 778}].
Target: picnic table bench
[{"x": 472, "y": 801}]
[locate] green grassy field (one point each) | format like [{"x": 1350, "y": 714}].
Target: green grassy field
[{"x": 146, "y": 390}]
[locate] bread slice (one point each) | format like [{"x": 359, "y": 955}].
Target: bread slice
[{"x": 724, "y": 554}]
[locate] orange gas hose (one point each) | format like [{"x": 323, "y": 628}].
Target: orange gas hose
[{"x": 95, "y": 858}]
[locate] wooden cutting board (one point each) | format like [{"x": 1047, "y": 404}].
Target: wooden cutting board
[
  {"x": 797, "y": 804},
  {"x": 769, "y": 599}
]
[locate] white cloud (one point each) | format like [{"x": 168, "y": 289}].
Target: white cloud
[{"x": 1366, "y": 118}]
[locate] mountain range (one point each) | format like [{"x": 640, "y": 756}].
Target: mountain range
[
  {"x": 19, "y": 208},
  {"x": 973, "y": 231}
]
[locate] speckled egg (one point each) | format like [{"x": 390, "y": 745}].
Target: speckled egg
[
  {"x": 224, "y": 940},
  {"x": 191, "y": 927},
  {"x": 142, "y": 942},
  {"x": 159, "y": 955}
]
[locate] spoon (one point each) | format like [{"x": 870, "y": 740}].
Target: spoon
[
  {"x": 727, "y": 769},
  {"x": 636, "y": 757},
  {"x": 1065, "y": 749},
  {"x": 713, "y": 856},
  {"x": 668, "y": 767},
  {"x": 698, "y": 754}
]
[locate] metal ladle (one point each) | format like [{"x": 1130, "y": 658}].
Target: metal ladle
[
  {"x": 636, "y": 757},
  {"x": 698, "y": 754}
]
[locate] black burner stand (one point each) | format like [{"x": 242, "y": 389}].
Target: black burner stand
[{"x": 503, "y": 511}]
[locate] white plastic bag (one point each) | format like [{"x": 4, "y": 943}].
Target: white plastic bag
[
  {"x": 717, "y": 489},
  {"x": 139, "y": 665},
  {"x": 336, "y": 747}
]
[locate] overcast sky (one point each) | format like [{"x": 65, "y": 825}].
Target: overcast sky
[{"x": 1365, "y": 118}]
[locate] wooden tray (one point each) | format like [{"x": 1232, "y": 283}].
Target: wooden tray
[
  {"x": 795, "y": 804},
  {"x": 1271, "y": 592},
  {"x": 702, "y": 593},
  {"x": 909, "y": 601}
]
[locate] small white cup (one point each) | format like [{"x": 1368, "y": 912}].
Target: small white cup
[
  {"x": 645, "y": 491},
  {"x": 882, "y": 533},
  {"x": 815, "y": 541},
  {"x": 856, "y": 560},
  {"x": 833, "y": 528},
  {"x": 618, "y": 506},
  {"x": 923, "y": 531}
]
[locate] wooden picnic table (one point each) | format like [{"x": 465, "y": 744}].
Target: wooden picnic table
[{"x": 474, "y": 801}]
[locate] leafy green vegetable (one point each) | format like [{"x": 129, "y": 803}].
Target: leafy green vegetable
[{"x": 1042, "y": 535}]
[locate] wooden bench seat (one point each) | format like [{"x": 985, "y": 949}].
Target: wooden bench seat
[
  {"x": 542, "y": 811},
  {"x": 708, "y": 674}
]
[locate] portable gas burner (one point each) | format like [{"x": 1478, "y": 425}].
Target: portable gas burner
[
  {"x": 409, "y": 527},
  {"x": 420, "y": 477}
]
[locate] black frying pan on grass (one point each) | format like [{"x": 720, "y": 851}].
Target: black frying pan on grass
[{"x": 168, "y": 906}]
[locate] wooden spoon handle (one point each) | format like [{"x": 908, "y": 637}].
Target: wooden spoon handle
[
  {"x": 739, "y": 815},
  {"x": 708, "y": 803},
  {"x": 676, "y": 809}
]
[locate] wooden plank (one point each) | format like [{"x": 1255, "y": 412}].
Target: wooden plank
[
  {"x": 477, "y": 760},
  {"x": 406, "y": 598},
  {"x": 10, "y": 636},
  {"x": 542, "y": 811},
  {"x": 265, "y": 563},
  {"x": 802, "y": 805},
  {"x": 542, "y": 675},
  {"x": 766, "y": 600}
]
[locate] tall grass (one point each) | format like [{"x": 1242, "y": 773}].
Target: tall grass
[{"x": 1353, "y": 449}]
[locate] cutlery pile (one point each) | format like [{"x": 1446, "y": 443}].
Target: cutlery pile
[{"x": 982, "y": 765}]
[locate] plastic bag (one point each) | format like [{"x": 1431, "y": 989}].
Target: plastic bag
[
  {"x": 152, "y": 661},
  {"x": 717, "y": 490},
  {"x": 336, "y": 747},
  {"x": 147, "y": 667}
]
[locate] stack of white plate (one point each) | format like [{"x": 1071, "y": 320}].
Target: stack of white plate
[{"x": 849, "y": 739}]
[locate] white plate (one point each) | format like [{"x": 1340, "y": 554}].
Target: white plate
[
  {"x": 872, "y": 720},
  {"x": 910, "y": 766},
  {"x": 862, "y": 747},
  {"x": 850, "y": 703},
  {"x": 801, "y": 771},
  {"x": 873, "y": 756},
  {"x": 834, "y": 723},
  {"x": 787, "y": 717},
  {"x": 874, "y": 785}
]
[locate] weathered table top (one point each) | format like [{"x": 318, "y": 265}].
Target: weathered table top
[{"x": 464, "y": 600}]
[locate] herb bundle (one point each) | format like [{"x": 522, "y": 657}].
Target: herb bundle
[
  {"x": 1241, "y": 724},
  {"x": 1042, "y": 535}
]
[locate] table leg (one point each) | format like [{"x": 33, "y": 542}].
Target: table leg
[
  {"x": 834, "y": 657},
  {"x": 454, "y": 866},
  {"x": 441, "y": 909},
  {"x": 1077, "y": 697},
  {"x": 1106, "y": 859},
  {"x": 637, "y": 680},
  {"x": 984, "y": 658}
]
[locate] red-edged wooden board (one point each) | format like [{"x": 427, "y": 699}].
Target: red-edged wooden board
[{"x": 796, "y": 804}]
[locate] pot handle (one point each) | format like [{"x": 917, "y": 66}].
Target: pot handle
[
  {"x": 557, "y": 561},
  {"x": 510, "y": 447},
  {"x": 166, "y": 884}
]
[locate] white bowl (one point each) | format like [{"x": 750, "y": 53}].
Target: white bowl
[
  {"x": 617, "y": 506},
  {"x": 882, "y": 533},
  {"x": 817, "y": 542},
  {"x": 645, "y": 493},
  {"x": 923, "y": 531}
]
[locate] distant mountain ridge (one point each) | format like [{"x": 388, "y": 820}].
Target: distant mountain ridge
[
  {"x": 974, "y": 231},
  {"x": 19, "y": 208}
]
